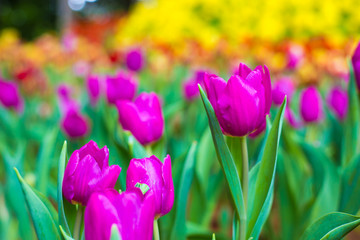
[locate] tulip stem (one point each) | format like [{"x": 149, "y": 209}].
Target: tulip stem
[
  {"x": 78, "y": 221},
  {"x": 245, "y": 170},
  {"x": 156, "y": 230}
]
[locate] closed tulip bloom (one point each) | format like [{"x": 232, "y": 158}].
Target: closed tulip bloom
[
  {"x": 242, "y": 103},
  {"x": 157, "y": 176},
  {"x": 130, "y": 211},
  {"x": 356, "y": 64},
  {"x": 135, "y": 60},
  {"x": 143, "y": 117},
  {"x": 284, "y": 87},
  {"x": 311, "y": 105},
  {"x": 190, "y": 87},
  {"x": 338, "y": 102},
  {"x": 10, "y": 96},
  {"x": 88, "y": 171},
  {"x": 93, "y": 87},
  {"x": 74, "y": 123},
  {"x": 122, "y": 86}
]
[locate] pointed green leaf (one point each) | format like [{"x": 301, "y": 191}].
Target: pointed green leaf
[
  {"x": 225, "y": 158},
  {"x": 115, "y": 234},
  {"x": 333, "y": 226},
  {"x": 351, "y": 131},
  {"x": 44, "y": 224},
  {"x": 179, "y": 228},
  {"x": 266, "y": 175},
  {"x": 61, "y": 211}
]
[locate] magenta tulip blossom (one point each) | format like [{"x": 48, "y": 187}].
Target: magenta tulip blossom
[
  {"x": 157, "y": 176},
  {"x": 143, "y": 117},
  {"x": 74, "y": 123},
  {"x": 93, "y": 87},
  {"x": 284, "y": 87},
  {"x": 10, "y": 96},
  {"x": 122, "y": 86},
  {"x": 135, "y": 60},
  {"x": 338, "y": 102},
  {"x": 356, "y": 64},
  {"x": 131, "y": 212},
  {"x": 295, "y": 55},
  {"x": 242, "y": 103},
  {"x": 311, "y": 105},
  {"x": 190, "y": 87},
  {"x": 88, "y": 171}
]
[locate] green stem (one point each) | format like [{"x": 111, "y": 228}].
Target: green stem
[
  {"x": 156, "y": 230},
  {"x": 148, "y": 150},
  {"x": 238, "y": 148},
  {"x": 245, "y": 170},
  {"x": 77, "y": 225}
]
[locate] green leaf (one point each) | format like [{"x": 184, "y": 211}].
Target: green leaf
[
  {"x": 179, "y": 227},
  {"x": 266, "y": 175},
  {"x": 44, "y": 224},
  {"x": 350, "y": 188},
  {"x": 332, "y": 227},
  {"x": 61, "y": 211},
  {"x": 45, "y": 158},
  {"x": 225, "y": 158},
  {"x": 351, "y": 131},
  {"x": 64, "y": 234}
]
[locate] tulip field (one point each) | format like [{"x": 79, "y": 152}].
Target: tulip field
[{"x": 211, "y": 121}]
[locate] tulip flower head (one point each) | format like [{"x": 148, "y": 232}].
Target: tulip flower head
[
  {"x": 190, "y": 87},
  {"x": 10, "y": 96},
  {"x": 88, "y": 171},
  {"x": 242, "y": 103},
  {"x": 131, "y": 212},
  {"x": 356, "y": 64},
  {"x": 338, "y": 102},
  {"x": 93, "y": 87},
  {"x": 311, "y": 105},
  {"x": 135, "y": 60},
  {"x": 122, "y": 86},
  {"x": 157, "y": 176},
  {"x": 74, "y": 124},
  {"x": 284, "y": 87},
  {"x": 143, "y": 117}
]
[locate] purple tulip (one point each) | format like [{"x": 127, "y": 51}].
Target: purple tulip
[
  {"x": 143, "y": 118},
  {"x": 284, "y": 87},
  {"x": 311, "y": 105},
  {"x": 88, "y": 171},
  {"x": 135, "y": 60},
  {"x": 131, "y": 212},
  {"x": 74, "y": 124},
  {"x": 356, "y": 64},
  {"x": 157, "y": 176},
  {"x": 10, "y": 96},
  {"x": 122, "y": 86},
  {"x": 242, "y": 103},
  {"x": 93, "y": 87},
  {"x": 295, "y": 55},
  {"x": 190, "y": 87},
  {"x": 338, "y": 101}
]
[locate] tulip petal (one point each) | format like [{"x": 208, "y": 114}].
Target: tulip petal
[
  {"x": 244, "y": 70},
  {"x": 214, "y": 87}
]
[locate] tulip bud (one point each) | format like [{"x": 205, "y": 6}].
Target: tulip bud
[
  {"x": 93, "y": 87},
  {"x": 88, "y": 171},
  {"x": 190, "y": 87},
  {"x": 134, "y": 60},
  {"x": 143, "y": 118},
  {"x": 131, "y": 212},
  {"x": 311, "y": 105},
  {"x": 123, "y": 86},
  {"x": 74, "y": 124},
  {"x": 10, "y": 96},
  {"x": 338, "y": 102},
  {"x": 242, "y": 103},
  {"x": 295, "y": 55},
  {"x": 157, "y": 176},
  {"x": 356, "y": 64},
  {"x": 284, "y": 87}
]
